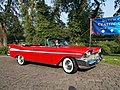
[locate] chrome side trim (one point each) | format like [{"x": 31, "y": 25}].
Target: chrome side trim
[{"x": 44, "y": 52}]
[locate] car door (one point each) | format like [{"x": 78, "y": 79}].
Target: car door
[{"x": 46, "y": 55}]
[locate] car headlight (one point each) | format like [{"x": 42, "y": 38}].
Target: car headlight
[
  {"x": 99, "y": 50},
  {"x": 87, "y": 54}
]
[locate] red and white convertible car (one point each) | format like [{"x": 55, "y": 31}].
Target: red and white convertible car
[{"x": 71, "y": 57}]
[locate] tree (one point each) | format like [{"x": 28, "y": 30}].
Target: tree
[
  {"x": 10, "y": 25},
  {"x": 117, "y": 5},
  {"x": 3, "y": 33},
  {"x": 3, "y": 39},
  {"x": 40, "y": 21},
  {"x": 28, "y": 11},
  {"x": 79, "y": 14}
]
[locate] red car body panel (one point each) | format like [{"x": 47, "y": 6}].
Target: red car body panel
[{"x": 48, "y": 55}]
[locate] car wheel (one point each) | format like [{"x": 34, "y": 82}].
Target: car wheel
[
  {"x": 69, "y": 65},
  {"x": 20, "y": 60}
]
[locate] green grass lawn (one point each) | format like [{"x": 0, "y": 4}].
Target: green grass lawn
[{"x": 112, "y": 59}]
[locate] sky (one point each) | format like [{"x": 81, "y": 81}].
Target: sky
[{"x": 108, "y": 9}]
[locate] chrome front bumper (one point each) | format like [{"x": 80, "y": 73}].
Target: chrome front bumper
[{"x": 86, "y": 63}]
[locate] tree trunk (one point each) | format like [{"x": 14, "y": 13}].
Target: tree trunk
[
  {"x": 118, "y": 37},
  {"x": 3, "y": 35}
]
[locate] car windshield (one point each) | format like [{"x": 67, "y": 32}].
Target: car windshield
[{"x": 60, "y": 42}]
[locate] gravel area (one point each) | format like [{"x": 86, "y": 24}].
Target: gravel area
[{"x": 34, "y": 76}]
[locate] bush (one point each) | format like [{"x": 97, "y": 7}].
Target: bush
[
  {"x": 113, "y": 46},
  {"x": 3, "y": 50},
  {"x": 105, "y": 48},
  {"x": 110, "y": 47},
  {"x": 118, "y": 48},
  {"x": 81, "y": 44}
]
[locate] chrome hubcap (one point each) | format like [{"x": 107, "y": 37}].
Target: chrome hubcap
[
  {"x": 68, "y": 65},
  {"x": 20, "y": 60}
]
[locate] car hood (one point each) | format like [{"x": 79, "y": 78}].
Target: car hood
[{"x": 79, "y": 49}]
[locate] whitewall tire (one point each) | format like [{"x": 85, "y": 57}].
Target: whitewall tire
[
  {"x": 69, "y": 65},
  {"x": 20, "y": 60}
]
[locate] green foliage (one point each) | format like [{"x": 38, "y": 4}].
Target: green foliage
[
  {"x": 118, "y": 47},
  {"x": 12, "y": 24},
  {"x": 41, "y": 21},
  {"x": 110, "y": 47},
  {"x": 113, "y": 46},
  {"x": 81, "y": 44},
  {"x": 15, "y": 30},
  {"x": 3, "y": 50},
  {"x": 105, "y": 48},
  {"x": 79, "y": 14}
]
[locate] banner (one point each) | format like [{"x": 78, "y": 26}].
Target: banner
[{"x": 109, "y": 25}]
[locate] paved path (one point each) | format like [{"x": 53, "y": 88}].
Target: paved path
[{"x": 42, "y": 77}]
